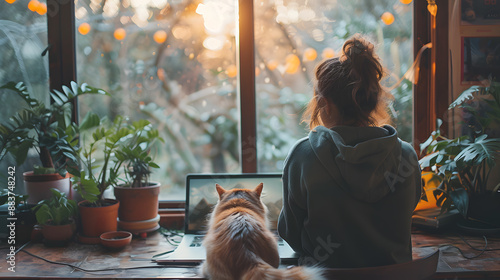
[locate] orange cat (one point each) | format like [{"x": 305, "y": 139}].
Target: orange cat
[{"x": 239, "y": 244}]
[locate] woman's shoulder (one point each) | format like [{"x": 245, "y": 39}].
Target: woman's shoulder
[
  {"x": 407, "y": 149},
  {"x": 301, "y": 149}
]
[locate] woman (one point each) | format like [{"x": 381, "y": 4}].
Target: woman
[{"x": 351, "y": 186}]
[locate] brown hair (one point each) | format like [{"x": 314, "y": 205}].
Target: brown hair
[{"x": 351, "y": 82}]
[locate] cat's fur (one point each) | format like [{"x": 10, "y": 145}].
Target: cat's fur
[{"x": 239, "y": 244}]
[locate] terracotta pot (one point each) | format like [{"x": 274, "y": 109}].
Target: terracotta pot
[
  {"x": 137, "y": 204},
  {"x": 98, "y": 220},
  {"x": 38, "y": 186},
  {"x": 116, "y": 239},
  {"x": 58, "y": 234}
]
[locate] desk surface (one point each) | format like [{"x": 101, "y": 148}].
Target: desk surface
[{"x": 94, "y": 257}]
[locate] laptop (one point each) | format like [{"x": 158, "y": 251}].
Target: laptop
[{"x": 201, "y": 196}]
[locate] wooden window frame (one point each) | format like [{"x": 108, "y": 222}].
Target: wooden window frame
[{"x": 431, "y": 93}]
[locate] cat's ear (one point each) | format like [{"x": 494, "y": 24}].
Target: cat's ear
[
  {"x": 258, "y": 189},
  {"x": 220, "y": 190}
]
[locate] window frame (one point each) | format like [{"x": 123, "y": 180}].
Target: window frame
[{"x": 426, "y": 104}]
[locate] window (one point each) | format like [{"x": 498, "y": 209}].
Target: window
[
  {"x": 23, "y": 38},
  {"x": 175, "y": 63}
]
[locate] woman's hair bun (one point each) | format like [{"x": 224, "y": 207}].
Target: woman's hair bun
[
  {"x": 355, "y": 47},
  {"x": 360, "y": 57}
]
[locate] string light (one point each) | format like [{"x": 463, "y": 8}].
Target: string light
[
  {"x": 120, "y": 34},
  {"x": 292, "y": 63},
  {"x": 405, "y": 1},
  {"x": 387, "y": 18},
  {"x": 310, "y": 54},
  {"x": 41, "y": 8},
  {"x": 328, "y": 53},
  {"x": 32, "y": 5},
  {"x": 84, "y": 28},
  {"x": 10, "y": 1},
  {"x": 160, "y": 36},
  {"x": 231, "y": 71}
]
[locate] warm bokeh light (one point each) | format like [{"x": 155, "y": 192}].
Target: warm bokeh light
[
  {"x": 10, "y": 1},
  {"x": 405, "y": 1},
  {"x": 231, "y": 71},
  {"x": 41, "y": 8},
  {"x": 213, "y": 43},
  {"x": 310, "y": 54},
  {"x": 160, "y": 36},
  {"x": 272, "y": 64},
  {"x": 387, "y": 18},
  {"x": 84, "y": 28},
  {"x": 328, "y": 53},
  {"x": 33, "y": 5},
  {"x": 212, "y": 18},
  {"x": 120, "y": 34},
  {"x": 292, "y": 63},
  {"x": 257, "y": 71}
]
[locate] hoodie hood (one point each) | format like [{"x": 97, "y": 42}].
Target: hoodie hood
[{"x": 363, "y": 160}]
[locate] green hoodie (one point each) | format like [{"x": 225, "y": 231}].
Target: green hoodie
[{"x": 349, "y": 194}]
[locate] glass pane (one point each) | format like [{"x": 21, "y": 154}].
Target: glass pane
[
  {"x": 292, "y": 37},
  {"x": 173, "y": 63},
  {"x": 23, "y": 38}
]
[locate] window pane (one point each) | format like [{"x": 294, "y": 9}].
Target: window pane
[
  {"x": 292, "y": 37},
  {"x": 23, "y": 37},
  {"x": 173, "y": 63}
]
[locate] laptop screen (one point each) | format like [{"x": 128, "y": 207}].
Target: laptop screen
[{"x": 201, "y": 195}]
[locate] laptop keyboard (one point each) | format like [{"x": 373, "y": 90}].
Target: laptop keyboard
[{"x": 197, "y": 240}]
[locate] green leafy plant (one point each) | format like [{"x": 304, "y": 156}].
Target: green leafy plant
[
  {"x": 17, "y": 198},
  {"x": 462, "y": 166},
  {"x": 112, "y": 145},
  {"x": 57, "y": 210},
  {"x": 44, "y": 127},
  {"x": 135, "y": 154}
]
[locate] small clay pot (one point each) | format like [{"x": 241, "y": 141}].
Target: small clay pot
[{"x": 116, "y": 239}]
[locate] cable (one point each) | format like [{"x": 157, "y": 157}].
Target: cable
[
  {"x": 104, "y": 269},
  {"x": 462, "y": 253},
  {"x": 169, "y": 235},
  {"x": 474, "y": 248}
]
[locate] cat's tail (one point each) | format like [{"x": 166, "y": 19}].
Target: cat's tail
[{"x": 263, "y": 271}]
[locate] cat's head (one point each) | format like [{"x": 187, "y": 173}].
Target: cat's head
[{"x": 241, "y": 198}]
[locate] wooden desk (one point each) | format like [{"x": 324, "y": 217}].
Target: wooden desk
[{"x": 451, "y": 265}]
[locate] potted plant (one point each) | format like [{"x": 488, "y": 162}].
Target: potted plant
[
  {"x": 56, "y": 216},
  {"x": 16, "y": 206},
  {"x": 138, "y": 211},
  {"x": 43, "y": 127},
  {"x": 462, "y": 166},
  {"x": 102, "y": 161}
]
